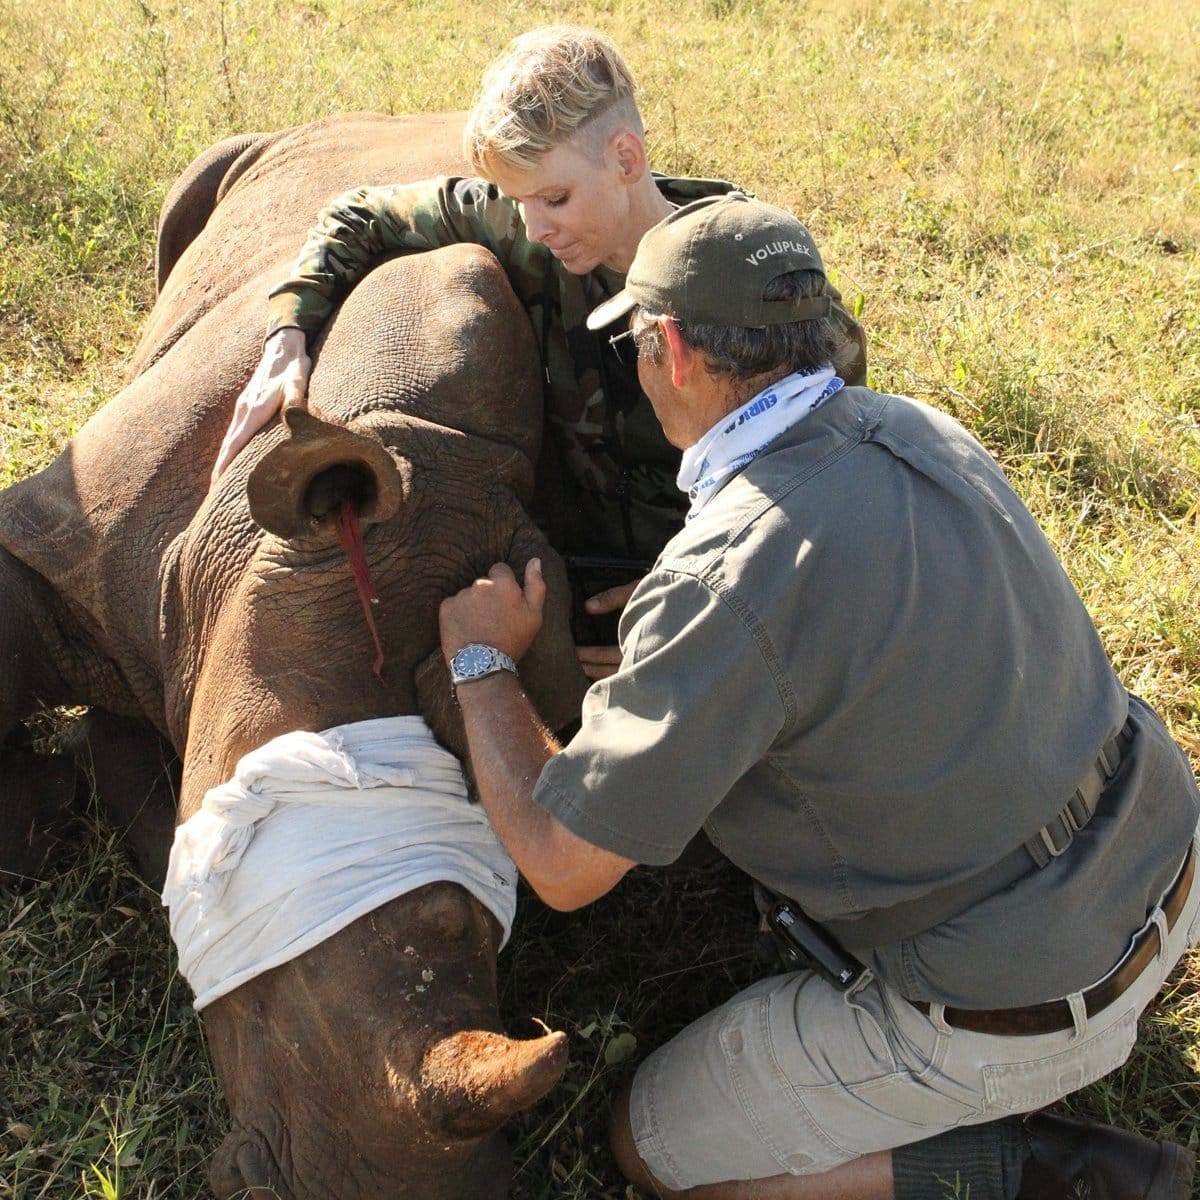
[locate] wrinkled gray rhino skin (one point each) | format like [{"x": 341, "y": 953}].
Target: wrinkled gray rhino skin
[{"x": 187, "y": 627}]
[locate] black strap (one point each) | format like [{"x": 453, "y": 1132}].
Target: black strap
[
  {"x": 1059, "y": 832},
  {"x": 616, "y": 447}
]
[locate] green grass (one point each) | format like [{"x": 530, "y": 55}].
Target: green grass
[{"x": 1007, "y": 192}]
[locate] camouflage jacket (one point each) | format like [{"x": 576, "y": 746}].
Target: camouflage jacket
[{"x": 616, "y": 493}]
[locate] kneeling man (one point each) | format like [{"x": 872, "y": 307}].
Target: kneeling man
[{"x": 862, "y": 671}]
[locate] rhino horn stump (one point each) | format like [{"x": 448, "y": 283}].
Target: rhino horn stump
[
  {"x": 472, "y": 1081},
  {"x": 298, "y": 486}
]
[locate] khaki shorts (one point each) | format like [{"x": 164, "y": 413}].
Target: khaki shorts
[{"x": 793, "y": 1076}]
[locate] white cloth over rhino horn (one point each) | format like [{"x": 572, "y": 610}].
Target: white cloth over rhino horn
[{"x": 315, "y": 830}]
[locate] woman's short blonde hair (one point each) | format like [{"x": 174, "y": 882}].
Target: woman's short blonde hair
[{"x": 548, "y": 85}]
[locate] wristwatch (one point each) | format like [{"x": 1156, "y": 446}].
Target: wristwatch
[{"x": 477, "y": 661}]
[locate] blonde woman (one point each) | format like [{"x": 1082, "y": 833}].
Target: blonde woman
[{"x": 563, "y": 197}]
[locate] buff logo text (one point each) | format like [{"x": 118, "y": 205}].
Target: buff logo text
[
  {"x": 759, "y": 407},
  {"x": 765, "y": 252}
]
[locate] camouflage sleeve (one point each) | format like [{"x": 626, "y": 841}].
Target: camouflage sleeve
[{"x": 362, "y": 226}]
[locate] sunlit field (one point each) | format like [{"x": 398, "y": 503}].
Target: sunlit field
[{"x": 1007, "y": 194}]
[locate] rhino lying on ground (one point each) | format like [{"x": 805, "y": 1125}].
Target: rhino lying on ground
[{"x": 371, "y": 1065}]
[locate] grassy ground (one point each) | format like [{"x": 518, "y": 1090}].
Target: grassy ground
[{"x": 1007, "y": 190}]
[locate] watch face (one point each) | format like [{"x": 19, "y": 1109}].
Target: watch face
[{"x": 472, "y": 660}]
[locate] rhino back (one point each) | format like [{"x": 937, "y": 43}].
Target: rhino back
[
  {"x": 99, "y": 523},
  {"x": 271, "y": 197}
]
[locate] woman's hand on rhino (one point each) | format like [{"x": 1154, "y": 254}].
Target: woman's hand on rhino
[
  {"x": 599, "y": 662},
  {"x": 279, "y": 381},
  {"x": 497, "y": 611}
]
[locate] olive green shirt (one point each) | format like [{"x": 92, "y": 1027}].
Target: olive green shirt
[
  {"x": 615, "y": 470},
  {"x": 863, "y": 671}
]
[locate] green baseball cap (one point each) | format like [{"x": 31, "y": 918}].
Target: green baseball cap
[{"x": 709, "y": 262}]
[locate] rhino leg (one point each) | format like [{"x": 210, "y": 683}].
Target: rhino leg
[
  {"x": 28, "y": 681},
  {"x": 36, "y": 805},
  {"x": 36, "y": 791},
  {"x": 134, "y": 775}
]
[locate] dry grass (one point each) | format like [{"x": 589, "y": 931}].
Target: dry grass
[{"x": 1008, "y": 192}]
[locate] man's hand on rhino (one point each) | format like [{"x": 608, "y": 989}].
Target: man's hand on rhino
[
  {"x": 599, "y": 662},
  {"x": 497, "y": 611},
  {"x": 279, "y": 381}
]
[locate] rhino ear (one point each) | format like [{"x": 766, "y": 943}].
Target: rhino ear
[
  {"x": 297, "y": 487},
  {"x": 472, "y": 1081}
]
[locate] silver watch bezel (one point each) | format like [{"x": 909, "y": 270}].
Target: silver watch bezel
[{"x": 464, "y": 670}]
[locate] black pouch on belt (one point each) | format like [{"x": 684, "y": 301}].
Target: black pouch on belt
[{"x": 803, "y": 944}]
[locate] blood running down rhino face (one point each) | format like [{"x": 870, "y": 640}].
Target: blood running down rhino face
[{"x": 372, "y": 1065}]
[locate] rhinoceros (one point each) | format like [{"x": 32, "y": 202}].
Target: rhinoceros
[{"x": 373, "y": 1064}]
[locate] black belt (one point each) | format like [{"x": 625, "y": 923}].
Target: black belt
[
  {"x": 1055, "y": 1015},
  {"x": 885, "y": 925}
]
